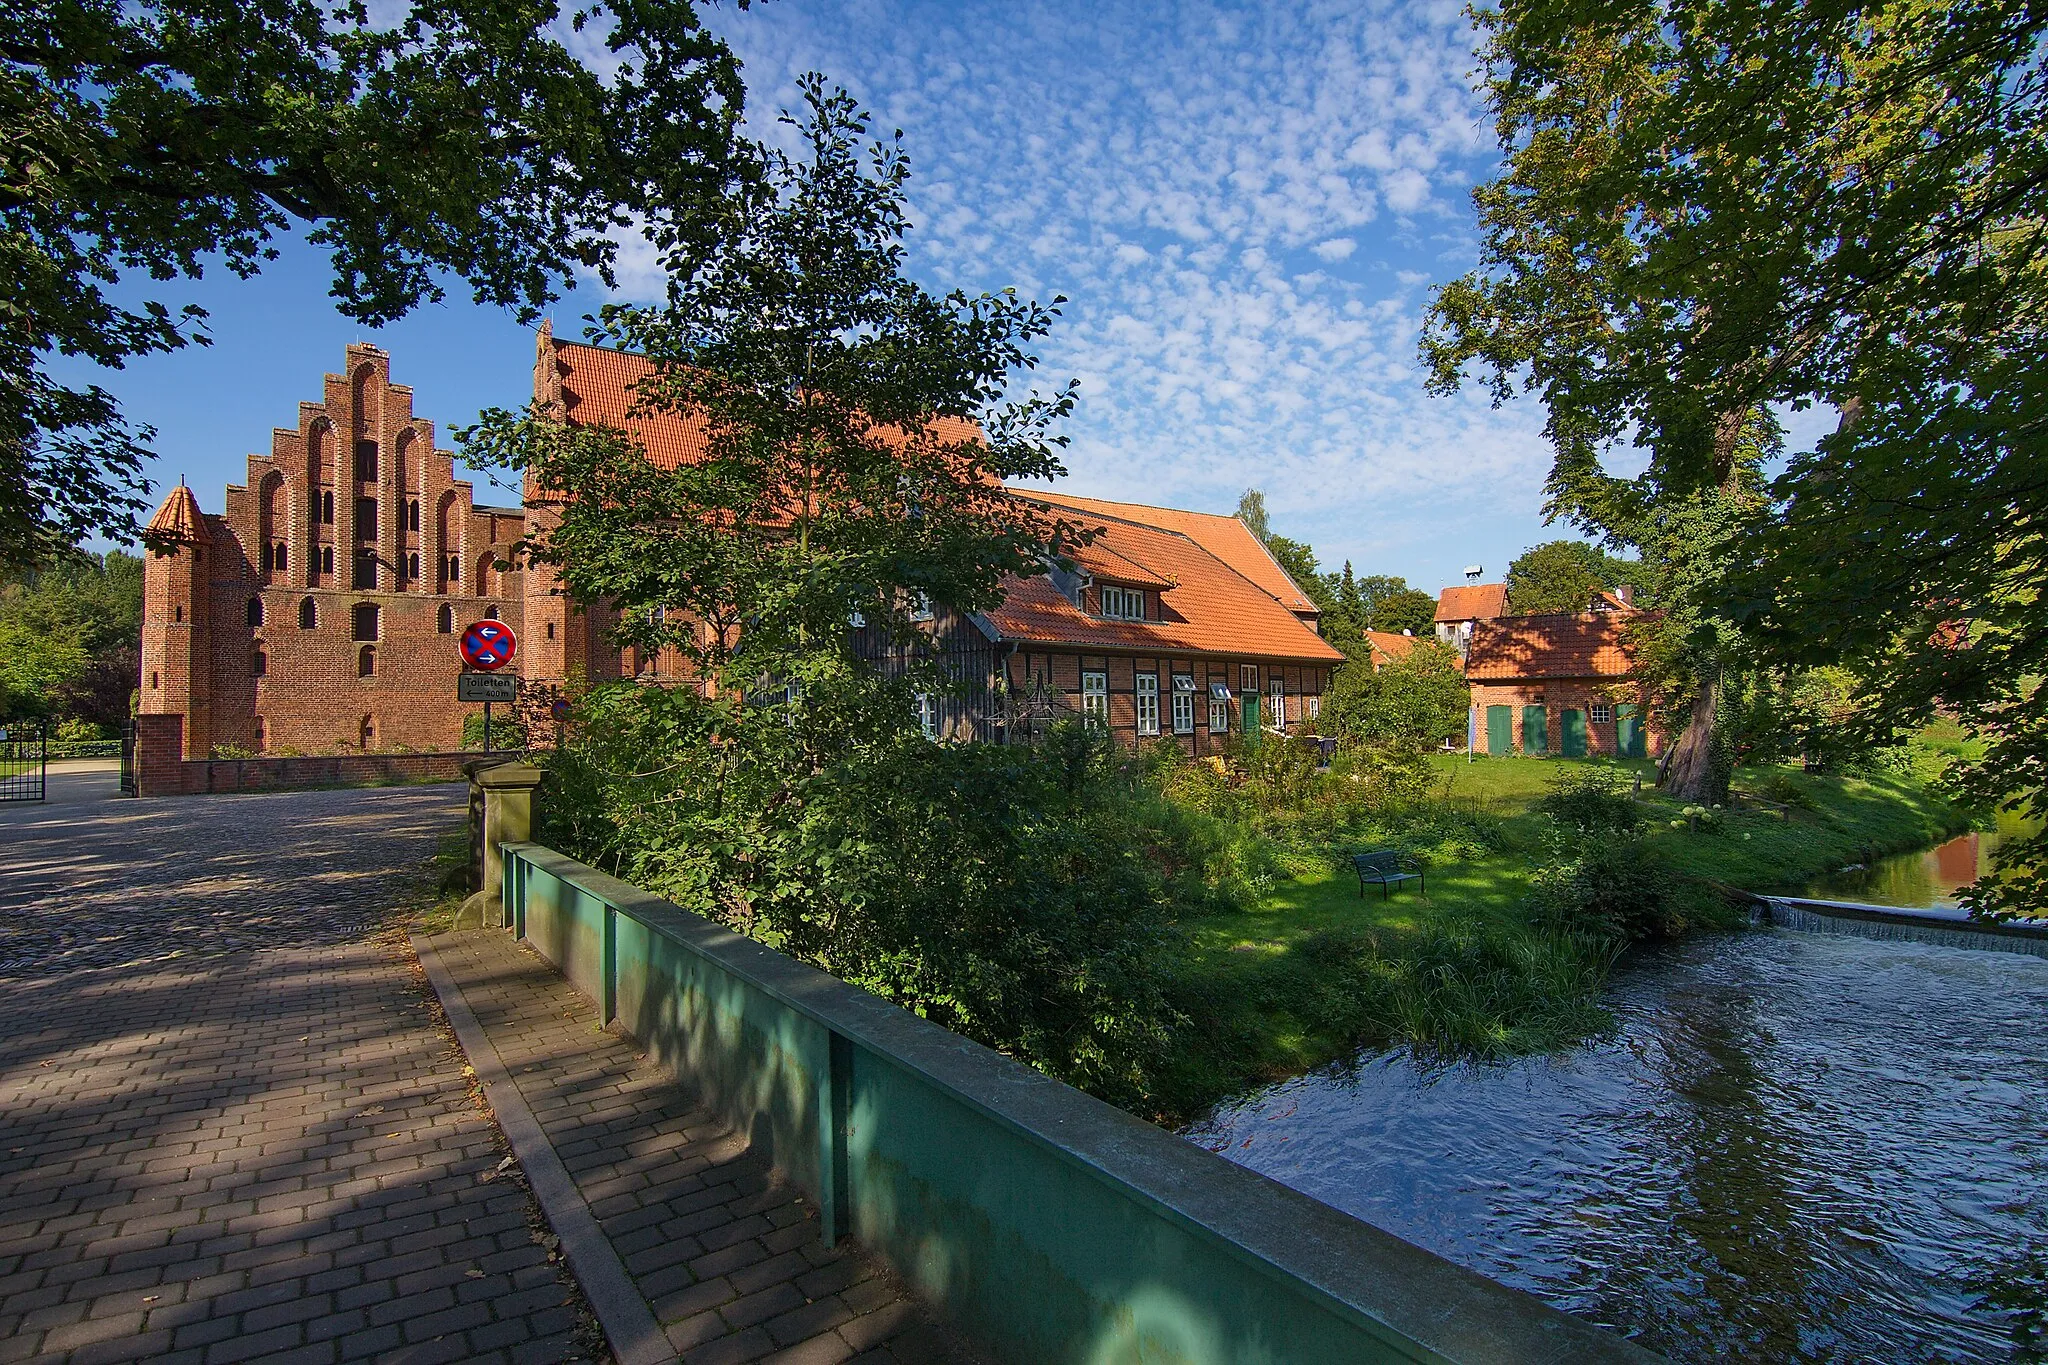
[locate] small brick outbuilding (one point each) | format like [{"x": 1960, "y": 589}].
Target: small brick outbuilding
[{"x": 1560, "y": 684}]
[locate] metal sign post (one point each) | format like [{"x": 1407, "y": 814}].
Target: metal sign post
[{"x": 487, "y": 646}]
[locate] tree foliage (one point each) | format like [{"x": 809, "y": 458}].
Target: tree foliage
[
  {"x": 1404, "y": 611},
  {"x": 68, "y": 638},
  {"x": 1565, "y": 576},
  {"x": 1710, "y": 207},
  {"x": 1409, "y": 704},
  {"x": 1251, "y": 510},
  {"x": 155, "y": 140},
  {"x": 1003, "y": 892}
]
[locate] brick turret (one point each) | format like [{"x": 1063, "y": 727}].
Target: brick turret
[{"x": 177, "y": 671}]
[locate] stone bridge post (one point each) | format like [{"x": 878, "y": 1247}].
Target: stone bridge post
[{"x": 500, "y": 812}]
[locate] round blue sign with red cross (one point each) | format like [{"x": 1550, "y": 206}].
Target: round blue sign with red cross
[{"x": 488, "y": 645}]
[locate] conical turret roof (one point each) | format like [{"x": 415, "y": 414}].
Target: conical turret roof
[{"x": 179, "y": 519}]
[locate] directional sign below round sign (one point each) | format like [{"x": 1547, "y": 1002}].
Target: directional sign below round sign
[{"x": 489, "y": 645}]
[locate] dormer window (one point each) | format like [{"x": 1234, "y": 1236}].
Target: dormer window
[{"x": 1123, "y": 604}]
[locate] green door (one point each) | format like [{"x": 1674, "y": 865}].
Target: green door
[
  {"x": 1251, "y": 717},
  {"x": 1535, "y": 731},
  {"x": 1500, "y": 729},
  {"x": 1571, "y": 726},
  {"x": 1628, "y": 731}
]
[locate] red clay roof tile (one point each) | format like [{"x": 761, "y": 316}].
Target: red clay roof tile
[
  {"x": 1588, "y": 645},
  {"x": 1226, "y": 538},
  {"x": 1472, "y": 602},
  {"x": 1210, "y": 608}
]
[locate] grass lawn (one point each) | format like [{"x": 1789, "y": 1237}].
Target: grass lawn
[{"x": 1270, "y": 1004}]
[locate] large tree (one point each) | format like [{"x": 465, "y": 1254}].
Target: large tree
[
  {"x": 151, "y": 141},
  {"x": 1711, "y": 206},
  {"x": 859, "y": 433},
  {"x": 1564, "y": 576}
]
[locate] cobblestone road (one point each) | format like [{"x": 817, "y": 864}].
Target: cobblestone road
[
  {"x": 267, "y": 1147},
  {"x": 93, "y": 879}
]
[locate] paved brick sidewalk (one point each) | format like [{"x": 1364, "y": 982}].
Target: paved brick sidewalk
[
  {"x": 276, "y": 1154},
  {"x": 728, "y": 1257},
  {"x": 246, "y": 1153}
]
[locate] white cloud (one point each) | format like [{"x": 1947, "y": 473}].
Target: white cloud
[{"x": 1158, "y": 166}]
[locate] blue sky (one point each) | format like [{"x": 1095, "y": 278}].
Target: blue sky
[{"x": 1246, "y": 207}]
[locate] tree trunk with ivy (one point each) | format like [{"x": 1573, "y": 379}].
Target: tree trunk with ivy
[{"x": 1693, "y": 769}]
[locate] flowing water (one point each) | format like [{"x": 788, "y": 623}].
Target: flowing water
[{"x": 1798, "y": 1147}]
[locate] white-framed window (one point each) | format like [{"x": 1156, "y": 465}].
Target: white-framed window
[
  {"x": 1603, "y": 714},
  {"x": 1123, "y": 604},
  {"x": 1219, "y": 708},
  {"x": 1095, "y": 697},
  {"x": 1315, "y": 706},
  {"x": 1279, "y": 695},
  {"x": 920, "y": 606},
  {"x": 1183, "y": 704},
  {"x": 928, "y": 714},
  {"x": 1148, "y": 703}
]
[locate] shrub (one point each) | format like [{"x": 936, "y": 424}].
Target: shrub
[
  {"x": 506, "y": 732},
  {"x": 1592, "y": 798},
  {"x": 1777, "y": 785},
  {"x": 77, "y": 730},
  {"x": 1612, "y": 888},
  {"x": 1016, "y": 895}
]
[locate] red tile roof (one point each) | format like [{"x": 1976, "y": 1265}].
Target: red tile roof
[
  {"x": 1210, "y": 608},
  {"x": 1475, "y": 602},
  {"x": 179, "y": 519},
  {"x": 1587, "y": 645},
  {"x": 1226, "y": 538},
  {"x": 1223, "y": 591},
  {"x": 597, "y": 386},
  {"x": 1388, "y": 645}
]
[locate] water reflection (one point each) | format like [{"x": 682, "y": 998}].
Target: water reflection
[
  {"x": 1927, "y": 878},
  {"x": 1797, "y": 1147}
]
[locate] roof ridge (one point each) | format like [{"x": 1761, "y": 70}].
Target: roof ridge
[{"x": 1119, "y": 502}]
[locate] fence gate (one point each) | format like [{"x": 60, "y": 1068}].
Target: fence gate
[
  {"x": 128, "y": 787},
  {"x": 24, "y": 760}
]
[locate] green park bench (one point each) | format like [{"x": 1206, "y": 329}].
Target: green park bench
[{"x": 1382, "y": 867}]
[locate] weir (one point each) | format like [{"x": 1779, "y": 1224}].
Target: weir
[{"x": 1948, "y": 926}]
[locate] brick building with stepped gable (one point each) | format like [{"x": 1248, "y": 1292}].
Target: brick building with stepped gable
[{"x": 318, "y": 612}]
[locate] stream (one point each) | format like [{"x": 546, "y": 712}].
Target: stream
[{"x": 1795, "y": 1147}]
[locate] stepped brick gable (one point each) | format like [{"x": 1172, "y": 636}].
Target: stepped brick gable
[{"x": 318, "y": 611}]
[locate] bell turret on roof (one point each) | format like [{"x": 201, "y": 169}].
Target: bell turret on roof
[{"x": 179, "y": 519}]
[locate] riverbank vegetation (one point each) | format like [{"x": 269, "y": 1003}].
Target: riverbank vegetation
[{"x": 1540, "y": 874}]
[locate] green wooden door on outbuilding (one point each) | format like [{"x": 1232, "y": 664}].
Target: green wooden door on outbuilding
[
  {"x": 1628, "y": 731},
  {"x": 1571, "y": 725},
  {"x": 1500, "y": 730},
  {"x": 1535, "y": 731}
]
